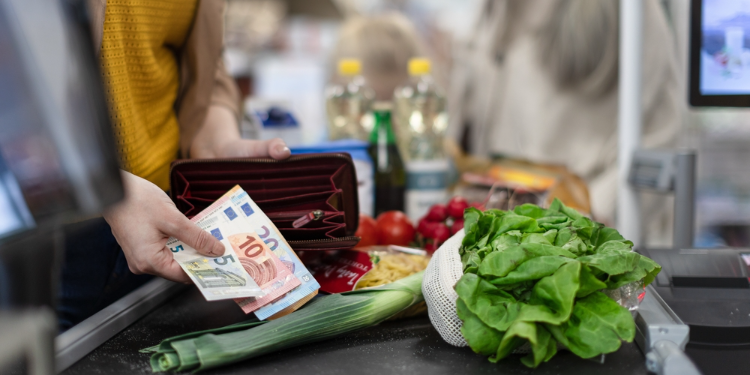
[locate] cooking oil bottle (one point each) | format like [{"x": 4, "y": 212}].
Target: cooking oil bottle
[
  {"x": 421, "y": 121},
  {"x": 348, "y": 103}
]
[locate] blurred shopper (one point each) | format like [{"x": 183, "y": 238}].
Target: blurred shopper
[
  {"x": 539, "y": 82},
  {"x": 384, "y": 44},
  {"x": 170, "y": 97}
]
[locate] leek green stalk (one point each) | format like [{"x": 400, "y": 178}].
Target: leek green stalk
[{"x": 324, "y": 317}]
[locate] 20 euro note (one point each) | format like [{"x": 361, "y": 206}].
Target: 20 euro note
[
  {"x": 274, "y": 276},
  {"x": 270, "y": 235},
  {"x": 220, "y": 277}
]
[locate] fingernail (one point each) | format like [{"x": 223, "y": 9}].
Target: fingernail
[{"x": 282, "y": 149}]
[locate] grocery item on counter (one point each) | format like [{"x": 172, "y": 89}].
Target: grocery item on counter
[
  {"x": 348, "y": 103},
  {"x": 420, "y": 122},
  {"x": 443, "y": 221},
  {"x": 349, "y": 270},
  {"x": 323, "y": 318},
  {"x": 366, "y": 231},
  {"x": 504, "y": 183},
  {"x": 394, "y": 228},
  {"x": 390, "y": 266},
  {"x": 390, "y": 176},
  {"x": 390, "y": 228},
  {"x": 537, "y": 278}
]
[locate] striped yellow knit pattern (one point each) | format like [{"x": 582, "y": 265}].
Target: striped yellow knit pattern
[{"x": 140, "y": 67}]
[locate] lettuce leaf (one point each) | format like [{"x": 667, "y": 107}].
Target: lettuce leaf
[
  {"x": 543, "y": 345},
  {"x": 597, "y": 326},
  {"x": 535, "y": 275}
]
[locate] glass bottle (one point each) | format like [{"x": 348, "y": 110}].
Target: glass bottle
[{"x": 390, "y": 175}]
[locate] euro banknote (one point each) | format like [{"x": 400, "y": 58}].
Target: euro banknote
[
  {"x": 274, "y": 277},
  {"x": 221, "y": 277},
  {"x": 270, "y": 235}
]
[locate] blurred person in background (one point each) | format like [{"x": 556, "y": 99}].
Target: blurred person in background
[
  {"x": 539, "y": 82},
  {"x": 384, "y": 44},
  {"x": 169, "y": 97}
]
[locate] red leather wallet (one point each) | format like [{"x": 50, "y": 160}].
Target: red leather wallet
[{"x": 311, "y": 198}]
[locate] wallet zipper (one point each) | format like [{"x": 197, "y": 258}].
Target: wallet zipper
[
  {"x": 325, "y": 240},
  {"x": 295, "y": 214},
  {"x": 307, "y": 218},
  {"x": 260, "y": 160}
]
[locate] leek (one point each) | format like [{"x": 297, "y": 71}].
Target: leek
[{"x": 324, "y": 317}]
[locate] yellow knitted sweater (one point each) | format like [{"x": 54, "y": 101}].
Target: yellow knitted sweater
[{"x": 138, "y": 55}]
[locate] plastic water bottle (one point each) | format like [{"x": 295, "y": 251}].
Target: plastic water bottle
[
  {"x": 348, "y": 103},
  {"x": 421, "y": 122}
]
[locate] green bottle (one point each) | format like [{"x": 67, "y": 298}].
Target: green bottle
[{"x": 390, "y": 175}]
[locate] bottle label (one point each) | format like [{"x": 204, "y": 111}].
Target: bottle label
[
  {"x": 426, "y": 185},
  {"x": 366, "y": 186}
]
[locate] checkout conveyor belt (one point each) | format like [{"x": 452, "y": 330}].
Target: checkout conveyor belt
[{"x": 410, "y": 346}]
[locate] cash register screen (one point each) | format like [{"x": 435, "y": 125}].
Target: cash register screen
[{"x": 720, "y": 53}]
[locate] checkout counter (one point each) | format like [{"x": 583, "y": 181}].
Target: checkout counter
[
  {"x": 409, "y": 346},
  {"x": 694, "y": 319},
  {"x": 699, "y": 306}
]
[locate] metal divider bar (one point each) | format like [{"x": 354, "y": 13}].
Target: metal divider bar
[{"x": 86, "y": 336}]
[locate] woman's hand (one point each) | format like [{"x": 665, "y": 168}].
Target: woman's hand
[
  {"x": 144, "y": 221},
  {"x": 220, "y": 138}
]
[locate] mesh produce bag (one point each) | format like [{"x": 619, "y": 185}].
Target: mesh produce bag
[
  {"x": 444, "y": 271},
  {"x": 440, "y": 277}
]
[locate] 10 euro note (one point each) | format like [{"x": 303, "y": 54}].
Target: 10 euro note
[
  {"x": 274, "y": 277},
  {"x": 270, "y": 235},
  {"x": 221, "y": 277}
]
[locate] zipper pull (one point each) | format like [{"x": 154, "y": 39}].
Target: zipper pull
[{"x": 307, "y": 218}]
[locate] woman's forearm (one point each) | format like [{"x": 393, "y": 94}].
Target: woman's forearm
[{"x": 219, "y": 130}]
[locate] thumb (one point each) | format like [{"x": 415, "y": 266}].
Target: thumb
[
  {"x": 195, "y": 237},
  {"x": 278, "y": 149}
]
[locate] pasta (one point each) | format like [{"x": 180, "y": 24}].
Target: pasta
[{"x": 392, "y": 266}]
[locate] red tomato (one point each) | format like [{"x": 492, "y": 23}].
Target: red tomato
[
  {"x": 394, "y": 228},
  {"x": 367, "y": 231},
  {"x": 456, "y": 207}
]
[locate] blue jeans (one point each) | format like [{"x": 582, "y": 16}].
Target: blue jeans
[{"x": 94, "y": 272}]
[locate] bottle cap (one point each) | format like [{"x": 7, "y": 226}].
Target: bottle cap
[
  {"x": 349, "y": 67},
  {"x": 419, "y": 66}
]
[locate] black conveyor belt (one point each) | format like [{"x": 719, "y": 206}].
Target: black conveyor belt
[{"x": 408, "y": 346}]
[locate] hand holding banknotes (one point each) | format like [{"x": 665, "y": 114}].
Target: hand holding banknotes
[
  {"x": 147, "y": 218},
  {"x": 144, "y": 221}
]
